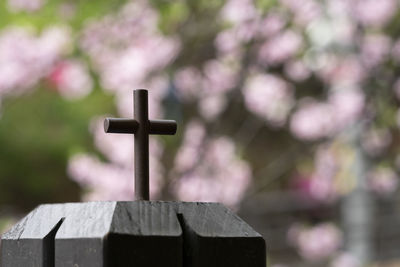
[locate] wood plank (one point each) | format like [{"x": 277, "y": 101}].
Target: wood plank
[
  {"x": 145, "y": 233},
  {"x": 80, "y": 241},
  {"x": 214, "y": 236},
  {"x": 31, "y": 241}
]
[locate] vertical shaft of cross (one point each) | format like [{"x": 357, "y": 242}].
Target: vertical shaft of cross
[{"x": 141, "y": 115}]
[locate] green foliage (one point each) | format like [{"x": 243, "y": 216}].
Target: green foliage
[
  {"x": 265, "y": 5},
  {"x": 38, "y": 132},
  {"x": 53, "y": 13}
]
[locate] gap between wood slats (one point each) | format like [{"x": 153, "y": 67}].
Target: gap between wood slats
[{"x": 49, "y": 245}]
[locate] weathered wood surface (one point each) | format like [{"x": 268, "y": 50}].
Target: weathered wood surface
[
  {"x": 57, "y": 234},
  {"x": 138, "y": 233},
  {"x": 214, "y": 236}
]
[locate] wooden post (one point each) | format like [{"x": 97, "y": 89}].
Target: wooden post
[{"x": 136, "y": 233}]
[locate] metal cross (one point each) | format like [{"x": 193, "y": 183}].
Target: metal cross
[{"x": 141, "y": 127}]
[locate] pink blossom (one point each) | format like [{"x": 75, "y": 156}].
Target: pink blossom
[
  {"x": 374, "y": 13},
  {"x": 107, "y": 181},
  {"x": 118, "y": 148},
  {"x": 127, "y": 47},
  {"x": 293, "y": 233},
  {"x": 313, "y": 120},
  {"x": 322, "y": 189},
  {"x": 328, "y": 31},
  {"x": 315, "y": 189},
  {"x": 272, "y": 24},
  {"x": 383, "y": 181},
  {"x": 157, "y": 87},
  {"x": 229, "y": 41},
  {"x": 304, "y": 11},
  {"x": 188, "y": 82},
  {"x": 374, "y": 49},
  {"x": 345, "y": 260},
  {"x": 297, "y": 71},
  {"x": 72, "y": 79},
  {"x": 25, "y": 58},
  {"x": 280, "y": 48},
  {"x": 247, "y": 30},
  {"x": 317, "y": 242},
  {"x": 113, "y": 180},
  {"x": 320, "y": 184},
  {"x": 326, "y": 168},
  {"x": 204, "y": 176},
  {"x": 345, "y": 31},
  {"x": 238, "y": 11},
  {"x": 219, "y": 77},
  {"x": 104, "y": 181},
  {"x": 134, "y": 19},
  {"x": 348, "y": 105},
  {"x": 221, "y": 151},
  {"x": 54, "y": 41},
  {"x": 375, "y": 141},
  {"x": 338, "y": 8},
  {"x": 270, "y": 97},
  {"x": 130, "y": 67},
  {"x": 25, "y": 5},
  {"x": 189, "y": 152},
  {"x": 342, "y": 71},
  {"x": 212, "y": 105}
]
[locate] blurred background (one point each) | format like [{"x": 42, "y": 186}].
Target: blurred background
[{"x": 288, "y": 113}]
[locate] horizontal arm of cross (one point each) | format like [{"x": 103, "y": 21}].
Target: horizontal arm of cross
[{"x": 130, "y": 126}]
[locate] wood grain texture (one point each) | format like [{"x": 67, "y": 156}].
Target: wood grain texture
[
  {"x": 145, "y": 233},
  {"x": 80, "y": 241},
  {"x": 30, "y": 242},
  {"x": 138, "y": 233}
]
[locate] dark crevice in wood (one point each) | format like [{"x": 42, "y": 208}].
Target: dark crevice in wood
[
  {"x": 105, "y": 251},
  {"x": 187, "y": 244},
  {"x": 49, "y": 247}
]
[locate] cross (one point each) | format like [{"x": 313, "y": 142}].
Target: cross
[{"x": 141, "y": 127}]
